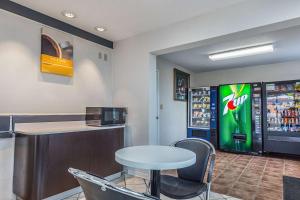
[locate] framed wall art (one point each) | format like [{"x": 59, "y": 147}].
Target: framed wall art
[
  {"x": 181, "y": 85},
  {"x": 56, "y": 52}
]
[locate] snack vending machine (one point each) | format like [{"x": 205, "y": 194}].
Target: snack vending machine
[
  {"x": 282, "y": 117},
  {"x": 202, "y": 114}
]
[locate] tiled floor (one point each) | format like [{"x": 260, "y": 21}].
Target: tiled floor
[
  {"x": 241, "y": 176},
  {"x": 138, "y": 185},
  {"x": 252, "y": 177}
]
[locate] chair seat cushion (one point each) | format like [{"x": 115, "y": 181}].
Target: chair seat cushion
[{"x": 177, "y": 188}]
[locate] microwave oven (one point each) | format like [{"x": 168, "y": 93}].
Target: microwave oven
[{"x": 105, "y": 116}]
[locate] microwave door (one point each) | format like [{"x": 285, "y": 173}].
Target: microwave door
[
  {"x": 107, "y": 117},
  {"x": 110, "y": 116}
]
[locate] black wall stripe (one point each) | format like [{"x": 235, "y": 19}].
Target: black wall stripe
[
  {"x": 50, "y": 21},
  {"x": 4, "y": 123}
]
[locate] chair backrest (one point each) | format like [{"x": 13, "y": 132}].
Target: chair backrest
[
  {"x": 203, "y": 150},
  {"x": 96, "y": 188}
]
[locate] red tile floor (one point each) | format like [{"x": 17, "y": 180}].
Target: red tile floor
[{"x": 252, "y": 177}]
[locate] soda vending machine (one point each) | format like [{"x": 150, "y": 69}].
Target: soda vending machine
[
  {"x": 202, "y": 114},
  {"x": 282, "y": 117},
  {"x": 240, "y": 117}
]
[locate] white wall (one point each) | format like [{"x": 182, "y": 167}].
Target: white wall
[
  {"x": 6, "y": 168},
  {"x": 262, "y": 73},
  {"x": 134, "y": 71},
  {"x": 24, "y": 89},
  {"x": 173, "y": 114}
]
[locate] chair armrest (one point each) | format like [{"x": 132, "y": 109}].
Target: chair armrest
[{"x": 211, "y": 168}]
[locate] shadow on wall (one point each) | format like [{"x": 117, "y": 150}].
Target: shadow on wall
[
  {"x": 52, "y": 78},
  {"x": 128, "y": 137},
  {"x": 90, "y": 70}
]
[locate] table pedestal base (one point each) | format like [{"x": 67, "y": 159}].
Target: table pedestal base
[{"x": 155, "y": 183}]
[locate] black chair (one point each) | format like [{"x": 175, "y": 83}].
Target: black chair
[
  {"x": 96, "y": 188},
  {"x": 190, "y": 181}
]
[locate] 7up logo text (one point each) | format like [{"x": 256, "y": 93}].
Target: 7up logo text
[{"x": 232, "y": 102}]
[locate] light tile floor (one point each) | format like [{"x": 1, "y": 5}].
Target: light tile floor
[{"x": 138, "y": 185}]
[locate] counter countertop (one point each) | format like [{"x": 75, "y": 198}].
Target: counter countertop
[{"x": 44, "y": 128}]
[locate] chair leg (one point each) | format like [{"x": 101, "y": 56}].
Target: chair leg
[
  {"x": 147, "y": 186},
  {"x": 125, "y": 185},
  {"x": 78, "y": 196},
  {"x": 207, "y": 192},
  {"x": 123, "y": 174}
]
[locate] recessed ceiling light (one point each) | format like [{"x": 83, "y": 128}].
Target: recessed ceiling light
[
  {"x": 248, "y": 51},
  {"x": 68, "y": 14},
  {"x": 100, "y": 28}
]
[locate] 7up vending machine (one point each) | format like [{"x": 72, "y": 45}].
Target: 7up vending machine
[{"x": 240, "y": 117}]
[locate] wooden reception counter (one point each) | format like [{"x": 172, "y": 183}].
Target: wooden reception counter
[{"x": 45, "y": 151}]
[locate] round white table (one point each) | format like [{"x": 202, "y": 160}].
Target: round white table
[{"x": 155, "y": 158}]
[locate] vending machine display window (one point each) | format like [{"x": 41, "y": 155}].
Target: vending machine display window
[
  {"x": 283, "y": 107},
  {"x": 282, "y": 116},
  {"x": 200, "y": 108},
  {"x": 202, "y": 114}
]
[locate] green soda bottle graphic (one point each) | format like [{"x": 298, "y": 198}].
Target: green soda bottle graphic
[
  {"x": 238, "y": 137},
  {"x": 236, "y": 133}
]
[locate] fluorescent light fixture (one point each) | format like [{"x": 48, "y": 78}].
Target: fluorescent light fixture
[
  {"x": 248, "y": 51},
  {"x": 100, "y": 28},
  {"x": 68, "y": 14}
]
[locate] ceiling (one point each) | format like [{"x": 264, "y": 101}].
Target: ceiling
[
  {"x": 125, "y": 18},
  {"x": 286, "y": 48}
]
